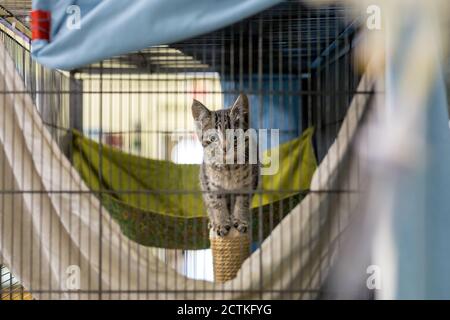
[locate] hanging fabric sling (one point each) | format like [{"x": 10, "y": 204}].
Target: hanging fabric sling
[{"x": 158, "y": 203}]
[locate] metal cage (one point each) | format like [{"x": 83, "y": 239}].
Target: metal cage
[{"x": 294, "y": 61}]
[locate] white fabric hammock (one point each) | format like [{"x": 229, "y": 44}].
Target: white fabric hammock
[{"x": 50, "y": 220}]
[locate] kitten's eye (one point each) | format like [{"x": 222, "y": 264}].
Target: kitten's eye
[{"x": 213, "y": 138}]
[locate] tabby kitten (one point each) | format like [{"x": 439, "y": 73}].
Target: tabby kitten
[{"x": 227, "y": 176}]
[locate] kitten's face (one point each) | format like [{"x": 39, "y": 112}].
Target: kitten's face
[{"x": 218, "y": 131}]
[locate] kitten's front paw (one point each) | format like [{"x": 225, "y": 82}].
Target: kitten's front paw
[
  {"x": 221, "y": 229},
  {"x": 240, "y": 225}
]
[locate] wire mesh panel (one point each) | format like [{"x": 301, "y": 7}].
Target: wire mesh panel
[{"x": 127, "y": 128}]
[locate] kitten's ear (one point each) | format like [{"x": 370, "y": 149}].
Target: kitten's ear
[
  {"x": 199, "y": 111},
  {"x": 240, "y": 108}
]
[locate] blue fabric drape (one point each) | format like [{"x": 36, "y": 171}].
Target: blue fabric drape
[
  {"x": 109, "y": 27},
  {"x": 419, "y": 215},
  {"x": 422, "y": 218}
]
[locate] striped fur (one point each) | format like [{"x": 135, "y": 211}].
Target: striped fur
[{"x": 227, "y": 187}]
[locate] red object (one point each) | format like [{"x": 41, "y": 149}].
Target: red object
[
  {"x": 40, "y": 25},
  {"x": 114, "y": 140},
  {"x": 199, "y": 90}
]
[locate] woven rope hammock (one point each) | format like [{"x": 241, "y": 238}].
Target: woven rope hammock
[{"x": 159, "y": 204}]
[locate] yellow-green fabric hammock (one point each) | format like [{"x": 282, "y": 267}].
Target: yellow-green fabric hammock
[{"x": 159, "y": 203}]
